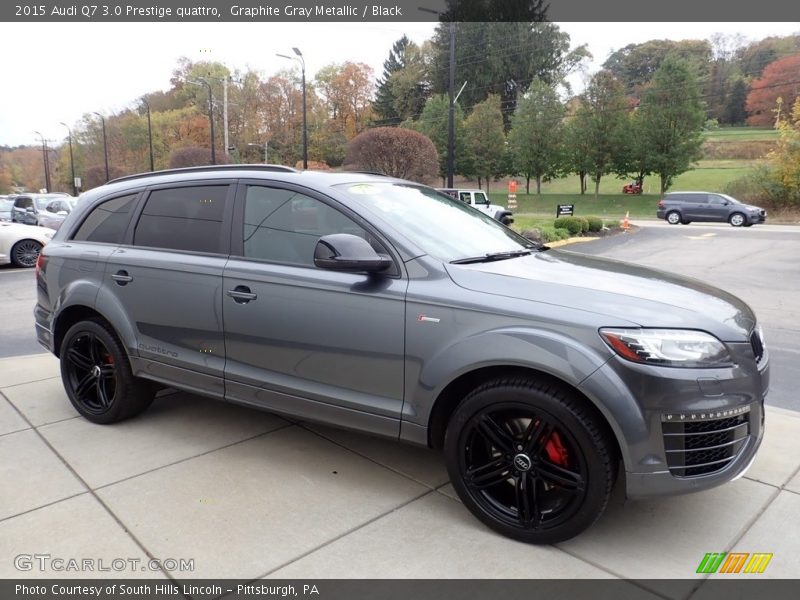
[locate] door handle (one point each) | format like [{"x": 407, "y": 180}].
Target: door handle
[
  {"x": 122, "y": 277},
  {"x": 241, "y": 294}
]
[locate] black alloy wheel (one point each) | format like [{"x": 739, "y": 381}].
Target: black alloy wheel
[
  {"x": 25, "y": 253},
  {"x": 91, "y": 374},
  {"x": 97, "y": 375},
  {"x": 529, "y": 462}
]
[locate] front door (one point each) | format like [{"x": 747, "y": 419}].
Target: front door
[{"x": 303, "y": 340}]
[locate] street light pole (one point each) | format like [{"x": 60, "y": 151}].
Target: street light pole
[
  {"x": 149, "y": 133},
  {"x": 201, "y": 81},
  {"x": 71, "y": 160},
  {"x": 302, "y": 62},
  {"x": 105, "y": 144},
  {"x": 45, "y": 161}
]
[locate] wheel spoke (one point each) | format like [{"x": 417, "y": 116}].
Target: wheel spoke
[
  {"x": 85, "y": 384},
  {"x": 107, "y": 372},
  {"x": 496, "y": 434},
  {"x": 563, "y": 478},
  {"x": 94, "y": 349},
  {"x": 527, "y": 501},
  {"x": 536, "y": 436},
  {"x": 489, "y": 474},
  {"x": 102, "y": 394},
  {"x": 79, "y": 360}
]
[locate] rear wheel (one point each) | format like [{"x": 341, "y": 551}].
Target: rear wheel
[
  {"x": 97, "y": 375},
  {"x": 25, "y": 253},
  {"x": 737, "y": 219},
  {"x": 529, "y": 461},
  {"x": 673, "y": 217}
]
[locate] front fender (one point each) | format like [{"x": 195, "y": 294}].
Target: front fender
[{"x": 544, "y": 350}]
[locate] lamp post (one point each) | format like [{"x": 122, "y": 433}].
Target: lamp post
[
  {"x": 299, "y": 58},
  {"x": 201, "y": 81},
  {"x": 149, "y": 133},
  {"x": 46, "y": 161},
  {"x": 105, "y": 143},
  {"x": 71, "y": 160},
  {"x": 451, "y": 127},
  {"x": 266, "y": 150}
]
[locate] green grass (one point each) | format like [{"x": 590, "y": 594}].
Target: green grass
[
  {"x": 740, "y": 134},
  {"x": 709, "y": 175}
]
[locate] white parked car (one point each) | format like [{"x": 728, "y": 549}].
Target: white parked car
[
  {"x": 20, "y": 244},
  {"x": 479, "y": 200}
]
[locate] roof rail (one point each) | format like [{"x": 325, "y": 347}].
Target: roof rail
[
  {"x": 200, "y": 169},
  {"x": 369, "y": 173}
]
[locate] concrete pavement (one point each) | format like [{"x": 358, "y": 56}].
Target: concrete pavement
[{"x": 248, "y": 494}]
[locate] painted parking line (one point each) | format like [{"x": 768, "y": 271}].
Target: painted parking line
[{"x": 17, "y": 270}]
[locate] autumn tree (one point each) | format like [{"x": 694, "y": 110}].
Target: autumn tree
[
  {"x": 672, "y": 116},
  {"x": 346, "y": 92},
  {"x": 780, "y": 79},
  {"x": 786, "y": 156},
  {"x": 536, "y": 135},
  {"x": 194, "y": 156},
  {"x": 394, "y": 151},
  {"x": 485, "y": 139}
]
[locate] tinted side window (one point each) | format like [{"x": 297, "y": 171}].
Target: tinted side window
[
  {"x": 23, "y": 203},
  {"x": 188, "y": 218},
  {"x": 284, "y": 226},
  {"x": 107, "y": 221},
  {"x": 716, "y": 200}
]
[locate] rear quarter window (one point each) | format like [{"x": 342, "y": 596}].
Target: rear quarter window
[{"x": 107, "y": 221}]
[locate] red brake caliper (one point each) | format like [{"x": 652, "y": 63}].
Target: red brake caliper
[{"x": 556, "y": 451}]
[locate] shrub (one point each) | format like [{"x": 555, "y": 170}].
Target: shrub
[
  {"x": 595, "y": 223},
  {"x": 394, "y": 151},
  {"x": 195, "y": 156},
  {"x": 572, "y": 224}
]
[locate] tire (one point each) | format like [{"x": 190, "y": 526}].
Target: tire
[
  {"x": 748, "y": 225},
  {"x": 529, "y": 461},
  {"x": 737, "y": 219},
  {"x": 673, "y": 217},
  {"x": 97, "y": 374},
  {"x": 25, "y": 253}
]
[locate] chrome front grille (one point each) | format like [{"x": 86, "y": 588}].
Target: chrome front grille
[{"x": 703, "y": 447}]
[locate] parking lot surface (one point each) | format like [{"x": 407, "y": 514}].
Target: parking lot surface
[{"x": 248, "y": 494}]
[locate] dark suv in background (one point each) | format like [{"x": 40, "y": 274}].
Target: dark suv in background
[
  {"x": 685, "y": 207},
  {"x": 384, "y": 306}
]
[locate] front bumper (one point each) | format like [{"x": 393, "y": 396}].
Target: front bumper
[{"x": 683, "y": 430}]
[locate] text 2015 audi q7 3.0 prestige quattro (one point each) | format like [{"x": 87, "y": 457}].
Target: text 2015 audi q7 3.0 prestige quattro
[{"x": 381, "y": 305}]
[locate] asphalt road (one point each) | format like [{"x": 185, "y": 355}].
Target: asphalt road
[{"x": 759, "y": 264}]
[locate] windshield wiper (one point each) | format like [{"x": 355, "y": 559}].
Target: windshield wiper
[{"x": 492, "y": 256}]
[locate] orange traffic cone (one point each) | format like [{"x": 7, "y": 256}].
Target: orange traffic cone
[{"x": 626, "y": 224}]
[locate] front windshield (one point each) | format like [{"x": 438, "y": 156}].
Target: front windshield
[
  {"x": 41, "y": 203},
  {"x": 441, "y": 226}
]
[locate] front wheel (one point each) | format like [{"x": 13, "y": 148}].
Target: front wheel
[
  {"x": 529, "y": 461},
  {"x": 737, "y": 219},
  {"x": 97, "y": 375}
]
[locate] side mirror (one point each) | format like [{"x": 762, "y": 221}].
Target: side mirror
[{"x": 346, "y": 252}]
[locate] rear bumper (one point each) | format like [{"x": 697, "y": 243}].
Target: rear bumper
[{"x": 661, "y": 213}]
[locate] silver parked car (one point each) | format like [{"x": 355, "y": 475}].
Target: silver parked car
[
  {"x": 381, "y": 305},
  {"x": 56, "y": 211},
  {"x": 28, "y": 208}
]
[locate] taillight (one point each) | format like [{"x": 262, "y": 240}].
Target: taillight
[
  {"x": 660, "y": 204},
  {"x": 40, "y": 264}
]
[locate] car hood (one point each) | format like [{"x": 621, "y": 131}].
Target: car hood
[
  {"x": 32, "y": 231},
  {"x": 623, "y": 293}
]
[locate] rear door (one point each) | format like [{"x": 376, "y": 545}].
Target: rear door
[
  {"x": 167, "y": 278},
  {"x": 305, "y": 340}
]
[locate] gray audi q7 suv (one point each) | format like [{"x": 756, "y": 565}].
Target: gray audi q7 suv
[{"x": 383, "y": 306}]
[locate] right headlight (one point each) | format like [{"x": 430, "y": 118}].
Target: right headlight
[{"x": 668, "y": 347}]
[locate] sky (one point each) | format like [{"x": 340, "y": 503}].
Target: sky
[{"x": 64, "y": 70}]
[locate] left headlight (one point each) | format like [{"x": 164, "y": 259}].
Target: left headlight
[{"x": 668, "y": 347}]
